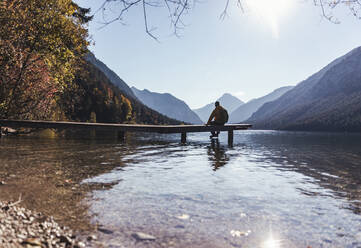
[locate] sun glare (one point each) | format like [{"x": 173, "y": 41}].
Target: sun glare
[
  {"x": 271, "y": 242},
  {"x": 270, "y": 12}
]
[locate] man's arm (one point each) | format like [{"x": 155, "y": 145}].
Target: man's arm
[{"x": 211, "y": 117}]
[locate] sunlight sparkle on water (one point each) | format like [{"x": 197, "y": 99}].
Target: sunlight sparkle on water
[
  {"x": 271, "y": 242},
  {"x": 270, "y": 12}
]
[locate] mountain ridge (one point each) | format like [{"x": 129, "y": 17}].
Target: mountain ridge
[
  {"x": 328, "y": 100},
  {"x": 110, "y": 74},
  {"x": 227, "y": 100},
  {"x": 167, "y": 104},
  {"x": 246, "y": 110}
]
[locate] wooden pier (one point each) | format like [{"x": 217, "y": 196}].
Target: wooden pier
[{"x": 123, "y": 128}]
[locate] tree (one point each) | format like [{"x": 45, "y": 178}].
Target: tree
[
  {"x": 178, "y": 9},
  {"x": 40, "y": 44},
  {"x": 328, "y": 6}
]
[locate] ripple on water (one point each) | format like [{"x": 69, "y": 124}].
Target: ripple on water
[{"x": 282, "y": 189}]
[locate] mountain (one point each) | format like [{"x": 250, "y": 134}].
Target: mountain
[
  {"x": 246, "y": 110},
  {"x": 111, "y": 75},
  {"x": 228, "y": 101},
  {"x": 329, "y": 100},
  {"x": 168, "y": 105},
  {"x": 93, "y": 97}
]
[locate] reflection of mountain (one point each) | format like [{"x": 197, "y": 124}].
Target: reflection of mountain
[
  {"x": 332, "y": 161},
  {"x": 329, "y": 100},
  {"x": 168, "y": 105},
  {"x": 227, "y": 100},
  {"x": 217, "y": 155}
]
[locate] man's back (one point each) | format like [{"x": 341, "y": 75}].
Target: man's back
[{"x": 219, "y": 114}]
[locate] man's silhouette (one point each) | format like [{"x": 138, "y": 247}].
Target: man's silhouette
[{"x": 220, "y": 116}]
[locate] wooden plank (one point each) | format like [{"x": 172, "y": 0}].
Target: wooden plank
[{"x": 123, "y": 127}]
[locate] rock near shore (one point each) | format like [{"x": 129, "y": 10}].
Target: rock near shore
[{"x": 20, "y": 227}]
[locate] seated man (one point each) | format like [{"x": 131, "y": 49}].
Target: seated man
[{"x": 220, "y": 116}]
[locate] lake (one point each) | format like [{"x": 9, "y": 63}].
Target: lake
[{"x": 271, "y": 189}]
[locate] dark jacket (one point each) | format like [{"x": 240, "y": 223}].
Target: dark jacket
[{"x": 220, "y": 116}]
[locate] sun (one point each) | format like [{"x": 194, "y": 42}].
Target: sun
[{"x": 270, "y": 12}]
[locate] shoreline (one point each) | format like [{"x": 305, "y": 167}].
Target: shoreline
[{"x": 21, "y": 227}]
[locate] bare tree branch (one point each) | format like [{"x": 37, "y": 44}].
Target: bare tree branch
[
  {"x": 146, "y": 22},
  {"x": 224, "y": 13},
  {"x": 178, "y": 9}
]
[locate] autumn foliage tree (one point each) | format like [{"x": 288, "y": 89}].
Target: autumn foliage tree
[
  {"x": 40, "y": 45},
  {"x": 94, "y": 98}
]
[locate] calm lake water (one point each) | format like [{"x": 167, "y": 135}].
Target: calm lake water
[{"x": 270, "y": 190}]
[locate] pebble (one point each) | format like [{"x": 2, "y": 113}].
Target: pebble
[
  {"x": 236, "y": 233},
  {"x": 92, "y": 237},
  {"x": 179, "y": 226},
  {"x": 79, "y": 245},
  {"x": 20, "y": 227},
  {"x": 106, "y": 231},
  {"x": 183, "y": 217},
  {"x": 143, "y": 236},
  {"x": 21, "y": 236},
  {"x": 32, "y": 241},
  {"x": 65, "y": 239}
]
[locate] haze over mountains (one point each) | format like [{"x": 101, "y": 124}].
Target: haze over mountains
[
  {"x": 246, "y": 110},
  {"x": 226, "y": 100},
  {"x": 329, "y": 100},
  {"x": 168, "y": 105}
]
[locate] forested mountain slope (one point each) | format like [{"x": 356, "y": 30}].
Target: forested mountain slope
[
  {"x": 93, "y": 97},
  {"x": 111, "y": 75}
]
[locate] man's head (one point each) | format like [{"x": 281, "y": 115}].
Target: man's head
[{"x": 216, "y": 103}]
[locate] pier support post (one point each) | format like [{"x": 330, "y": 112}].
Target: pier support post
[
  {"x": 230, "y": 137},
  {"x": 184, "y": 138},
  {"x": 1, "y": 133},
  {"x": 121, "y": 136}
]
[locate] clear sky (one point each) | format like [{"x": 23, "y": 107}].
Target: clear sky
[{"x": 274, "y": 43}]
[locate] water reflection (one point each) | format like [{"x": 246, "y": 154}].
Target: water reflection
[
  {"x": 271, "y": 242},
  {"x": 217, "y": 154},
  {"x": 48, "y": 173},
  {"x": 331, "y": 161},
  {"x": 304, "y": 184}
]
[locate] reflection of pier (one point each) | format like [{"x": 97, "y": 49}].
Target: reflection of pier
[{"x": 123, "y": 128}]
